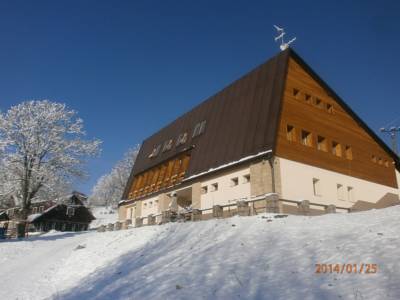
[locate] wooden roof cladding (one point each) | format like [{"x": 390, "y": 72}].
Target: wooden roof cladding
[{"x": 241, "y": 120}]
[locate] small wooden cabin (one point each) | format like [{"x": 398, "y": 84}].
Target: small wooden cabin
[{"x": 70, "y": 214}]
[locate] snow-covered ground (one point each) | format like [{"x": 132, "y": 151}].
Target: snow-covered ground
[
  {"x": 237, "y": 258},
  {"x": 103, "y": 215}
]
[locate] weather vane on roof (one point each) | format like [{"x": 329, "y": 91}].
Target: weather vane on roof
[{"x": 281, "y": 33}]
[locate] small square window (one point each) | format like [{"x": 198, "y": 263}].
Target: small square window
[
  {"x": 322, "y": 145},
  {"x": 214, "y": 187},
  {"x": 150, "y": 204},
  {"x": 386, "y": 164},
  {"x": 380, "y": 161},
  {"x": 204, "y": 190},
  {"x": 348, "y": 152},
  {"x": 290, "y": 133},
  {"x": 307, "y": 98},
  {"x": 336, "y": 149},
  {"x": 296, "y": 93},
  {"x": 306, "y": 138},
  {"x": 373, "y": 158},
  {"x": 34, "y": 210},
  {"x": 234, "y": 181},
  {"x": 329, "y": 108},
  {"x": 246, "y": 178},
  {"x": 319, "y": 103}
]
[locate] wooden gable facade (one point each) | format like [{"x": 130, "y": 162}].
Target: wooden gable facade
[{"x": 316, "y": 129}]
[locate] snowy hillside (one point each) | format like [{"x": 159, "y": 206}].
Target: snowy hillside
[
  {"x": 237, "y": 258},
  {"x": 103, "y": 216}
]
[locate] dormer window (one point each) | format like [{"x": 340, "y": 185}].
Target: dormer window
[
  {"x": 167, "y": 145},
  {"x": 155, "y": 151},
  {"x": 182, "y": 138},
  {"x": 199, "y": 128}
]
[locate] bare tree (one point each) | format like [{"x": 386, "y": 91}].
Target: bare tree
[
  {"x": 110, "y": 187},
  {"x": 43, "y": 147}
]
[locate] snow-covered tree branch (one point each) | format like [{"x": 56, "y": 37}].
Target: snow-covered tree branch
[
  {"x": 43, "y": 149},
  {"x": 110, "y": 187}
]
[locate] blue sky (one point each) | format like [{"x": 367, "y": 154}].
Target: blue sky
[{"x": 130, "y": 67}]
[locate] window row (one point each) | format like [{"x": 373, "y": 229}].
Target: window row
[
  {"x": 37, "y": 209},
  {"x": 150, "y": 204},
  {"x": 306, "y": 138},
  {"x": 342, "y": 192},
  {"x": 380, "y": 161},
  {"x": 180, "y": 140},
  {"x": 159, "y": 177},
  {"x": 233, "y": 182},
  {"x": 313, "y": 100}
]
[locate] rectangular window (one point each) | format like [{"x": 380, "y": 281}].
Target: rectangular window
[
  {"x": 380, "y": 160},
  {"x": 181, "y": 139},
  {"x": 340, "y": 191},
  {"x": 34, "y": 210},
  {"x": 167, "y": 145},
  {"x": 373, "y": 158},
  {"x": 204, "y": 190},
  {"x": 350, "y": 194},
  {"x": 155, "y": 151},
  {"x": 199, "y": 129},
  {"x": 307, "y": 98},
  {"x": 246, "y": 178},
  {"x": 70, "y": 211},
  {"x": 234, "y": 181},
  {"x": 306, "y": 138},
  {"x": 348, "y": 152},
  {"x": 336, "y": 149},
  {"x": 316, "y": 187},
  {"x": 41, "y": 209},
  {"x": 329, "y": 108},
  {"x": 322, "y": 144},
  {"x": 296, "y": 93},
  {"x": 386, "y": 164},
  {"x": 290, "y": 133},
  {"x": 214, "y": 187}
]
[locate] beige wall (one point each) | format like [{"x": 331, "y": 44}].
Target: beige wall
[
  {"x": 398, "y": 181},
  {"x": 261, "y": 178},
  {"x": 226, "y": 193},
  {"x": 297, "y": 184}
]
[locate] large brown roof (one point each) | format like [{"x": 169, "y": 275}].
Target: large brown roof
[{"x": 242, "y": 120}]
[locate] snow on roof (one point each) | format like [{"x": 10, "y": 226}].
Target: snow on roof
[
  {"x": 33, "y": 217},
  {"x": 228, "y": 164}
]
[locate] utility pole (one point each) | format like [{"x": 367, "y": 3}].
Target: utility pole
[{"x": 392, "y": 131}]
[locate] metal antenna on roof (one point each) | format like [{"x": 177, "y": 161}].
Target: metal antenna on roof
[
  {"x": 281, "y": 36},
  {"x": 392, "y": 131}
]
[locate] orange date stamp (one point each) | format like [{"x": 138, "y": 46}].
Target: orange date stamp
[{"x": 360, "y": 268}]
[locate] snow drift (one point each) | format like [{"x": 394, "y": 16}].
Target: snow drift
[{"x": 255, "y": 257}]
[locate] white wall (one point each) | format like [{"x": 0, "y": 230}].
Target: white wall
[
  {"x": 297, "y": 184},
  {"x": 150, "y": 206},
  {"x": 226, "y": 193},
  {"x": 398, "y": 181}
]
